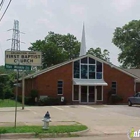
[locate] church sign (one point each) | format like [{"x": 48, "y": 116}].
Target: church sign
[{"x": 22, "y": 59}]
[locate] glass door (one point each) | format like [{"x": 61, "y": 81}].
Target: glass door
[
  {"x": 91, "y": 94},
  {"x": 84, "y": 94}
]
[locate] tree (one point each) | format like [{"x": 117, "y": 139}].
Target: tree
[
  {"x": 127, "y": 39},
  {"x": 56, "y": 48},
  {"x": 6, "y": 82},
  {"x": 98, "y": 53}
]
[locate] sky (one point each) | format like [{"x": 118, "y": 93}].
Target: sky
[{"x": 38, "y": 17}]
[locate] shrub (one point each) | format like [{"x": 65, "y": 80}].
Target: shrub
[
  {"x": 50, "y": 101},
  {"x": 115, "y": 98},
  {"x": 34, "y": 93}
]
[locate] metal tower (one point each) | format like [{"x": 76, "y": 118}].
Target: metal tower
[{"x": 15, "y": 45}]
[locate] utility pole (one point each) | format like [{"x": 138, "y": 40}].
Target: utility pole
[{"x": 15, "y": 46}]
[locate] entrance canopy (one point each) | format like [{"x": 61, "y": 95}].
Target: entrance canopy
[{"x": 89, "y": 82}]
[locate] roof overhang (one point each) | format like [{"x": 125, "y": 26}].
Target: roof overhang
[
  {"x": 137, "y": 80},
  {"x": 89, "y": 82}
]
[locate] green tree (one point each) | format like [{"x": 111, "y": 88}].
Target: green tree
[
  {"x": 127, "y": 39},
  {"x": 6, "y": 82},
  {"x": 56, "y": 48},
  {"x": 98, "y": 53}
]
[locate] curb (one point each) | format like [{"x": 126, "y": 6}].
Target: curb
[{"x": 33, "y": 135}]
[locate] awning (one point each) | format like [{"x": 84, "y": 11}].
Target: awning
[{"x": 89, "y": 82}]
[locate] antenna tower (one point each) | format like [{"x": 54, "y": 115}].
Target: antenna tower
[{"x": 15, "y": 46}]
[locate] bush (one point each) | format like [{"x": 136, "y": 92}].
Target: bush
[
  {"x": 115, "y": 98},
  {"x": 50, "y": 101},
  {"x": 34, "y": 93}
]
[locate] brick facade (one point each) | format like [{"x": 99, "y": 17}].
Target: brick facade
[
  {"x": 46, "y": 83},
  {"x": 125, "y": 83}
]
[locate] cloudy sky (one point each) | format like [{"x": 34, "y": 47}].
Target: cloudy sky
[{"x": 38, "y": 17}]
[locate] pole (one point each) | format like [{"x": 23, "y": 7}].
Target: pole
[
  {"x": 16, "y": 99},
  {"x": 23, "y": 90}
]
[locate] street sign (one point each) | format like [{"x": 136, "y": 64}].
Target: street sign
[
  {"x": 23, "y": 58},
  {"x": 18, "y": 67}
]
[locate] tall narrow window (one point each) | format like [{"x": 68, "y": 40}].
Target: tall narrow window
[
  {"x": 84, "y": 72},
  {"x": 91, "y": 71},
  {"x": 60, "y": 87},
  {"x": 99, "y": 70},
  {"x": 114, "y": 87},
  {"x": 76, "y": 69}
]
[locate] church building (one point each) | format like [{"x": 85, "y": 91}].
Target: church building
[{"x": 84, "y": 80}]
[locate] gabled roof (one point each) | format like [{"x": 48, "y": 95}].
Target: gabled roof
[
  {"x": 136, "y": 72},
  {"x": 67, "y": 62}
]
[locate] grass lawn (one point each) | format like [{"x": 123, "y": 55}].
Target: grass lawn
[
  {"x": 39, "y": 130},
  {"x": 8, "y": 103}
]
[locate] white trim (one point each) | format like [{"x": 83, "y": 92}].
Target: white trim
[
  {"x": 72, "y": 82},
  {"x": 72, "y": 92},
  {"x": 87, "y": 94},
  {"x": 79, "y": 93},
  {"x": 102, "y": 93},
  {"x": 70, "y": 61},
  {"x": 95, "y": 95}
]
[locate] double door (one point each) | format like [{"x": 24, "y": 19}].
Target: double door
[{"x": 88, "y": 94}]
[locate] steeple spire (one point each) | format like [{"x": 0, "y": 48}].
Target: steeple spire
[{"x": 83, "y": 43}]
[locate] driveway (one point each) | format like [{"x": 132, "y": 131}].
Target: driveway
[{"x": 101, "y": 119}]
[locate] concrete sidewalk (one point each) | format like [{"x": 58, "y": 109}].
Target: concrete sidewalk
[{"x": 101, "y": 120}]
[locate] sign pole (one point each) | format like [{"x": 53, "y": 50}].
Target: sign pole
[
  {"x": 16, "y": 99},
  {"x": 23, "y": 90}
]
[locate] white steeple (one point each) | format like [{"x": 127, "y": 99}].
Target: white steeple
[{"x": 83, "y": 43}]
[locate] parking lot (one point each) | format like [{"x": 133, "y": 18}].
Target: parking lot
[{"x": 101, "y": 119}]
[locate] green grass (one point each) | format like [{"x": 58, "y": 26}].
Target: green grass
[
  {"x": 39, "y": 130},
  {"x": 8, "y": 103}
]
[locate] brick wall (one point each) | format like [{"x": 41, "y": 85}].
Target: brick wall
[
  {"x": 125, "y": 83},
  {"x": 47, "y": 82}
]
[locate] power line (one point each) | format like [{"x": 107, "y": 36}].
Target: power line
[
  {"x": 5, "y": 10},
  {"x": 1, "y": 4}
]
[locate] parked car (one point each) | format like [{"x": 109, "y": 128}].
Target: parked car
[{"x": 134, "y": 99}]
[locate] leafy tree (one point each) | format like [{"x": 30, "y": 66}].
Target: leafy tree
[
  {"x": 6, "y": 82},
  {"x": 56, "y": 48},
  {"x": 127, "y": 39},
  {"x": 98, "y": 53}
]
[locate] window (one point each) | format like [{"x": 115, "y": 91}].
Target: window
[
  {"x": 114, "y": 87},
  {"x": 76, "y": 69},
  {"x": 99, "y": 93},
  {"x": 84, "y": 72},
  {"x": 76, "y": 92},
  {"x": 99, "y": 70},
  {"x": 91, "y": 71},
  {"x": 84, "y": 60},
  {"x": 88, "y": 68},
  {"x": 60, "y": 87},
  {"x": 91, "y": 61}
]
